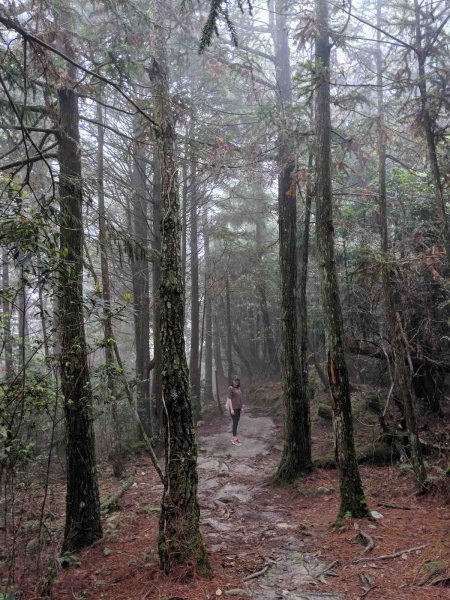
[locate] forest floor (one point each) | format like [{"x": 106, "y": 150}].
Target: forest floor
[{"x": 286, "y": 533}]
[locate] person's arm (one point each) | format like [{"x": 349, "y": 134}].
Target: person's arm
[{"x": 230, "y": 396}]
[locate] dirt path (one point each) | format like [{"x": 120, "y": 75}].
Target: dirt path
[
  {"x": 281, "y": 534},
  {"x": 243, "y": 525}
]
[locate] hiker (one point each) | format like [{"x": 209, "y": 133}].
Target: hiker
[{"x": 234, "y": 405}]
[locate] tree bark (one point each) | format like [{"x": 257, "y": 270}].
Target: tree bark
[
  {"x": 351, "y": 491},
  {"x": 83, "y": 524},
  {"x": 180, "y": 542},
  {"x": 296, "y": 457}
]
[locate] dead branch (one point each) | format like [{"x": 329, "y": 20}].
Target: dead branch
[
  {"x": 397, "y": 506},
  {"x": 370, "y": 544},
  {"x": 389, "y": 556},
  {"x": 112, "y": 502},
  {"x": 326, "y": 569},
  {"x": 258, "y": 573}
]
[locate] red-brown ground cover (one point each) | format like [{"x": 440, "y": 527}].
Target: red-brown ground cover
[{"x": 124, "y": 565}]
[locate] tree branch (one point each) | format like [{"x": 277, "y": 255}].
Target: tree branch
[{"x": 10, "y": 24}]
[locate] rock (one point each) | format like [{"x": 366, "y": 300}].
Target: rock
[
  {"x": 325, "y": 412},
  {"x": 324, "y": 490},
  {"x": 376, "y": 515},
  {"x": 284, "y": 526},
  {"x": 373, "y": 404},
  {"x": 237, "y": 592},
  {"x": 218, "y": 547}
]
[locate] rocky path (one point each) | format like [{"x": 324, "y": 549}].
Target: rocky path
[{"x": 245, "y": 524}]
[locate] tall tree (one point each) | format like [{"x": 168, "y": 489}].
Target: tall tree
[
  {"x": 83, "y": 524},
  {"x": 351, "y": 491},
  {"x": 180, "y": 541},
  {"x": 296, "y": 457}
]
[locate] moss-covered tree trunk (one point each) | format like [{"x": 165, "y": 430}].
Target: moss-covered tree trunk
[
  {"x": 180, "y": 542},
  {"x": 83, "y": 525},
  {"x": 393, "y": 322},
  {"x": 296, "y": 457},
  {"x": 351, "y": 491}
]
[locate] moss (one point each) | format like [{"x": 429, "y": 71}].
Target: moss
[
  {"x": 432, "y": 567},
  {"x": 378, "y": 454}
]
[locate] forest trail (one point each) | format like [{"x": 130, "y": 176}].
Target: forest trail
[
  {"x": 281, "y": 533},
  {"x": 234, "y": 501}
]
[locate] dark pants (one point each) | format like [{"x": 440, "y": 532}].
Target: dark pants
[{"x": 235, "y": 418}]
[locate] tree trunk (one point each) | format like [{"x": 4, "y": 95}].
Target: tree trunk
[
  {"x": 209, "y": 395},
  {"x": 296, "y": 457},
  {"x": 140, "y": 274},
  {"x": 402, "y": 375},
  {"x": 117, "y": 454},
  {"x": 194, "y": 369},
  {"x": 83, "y": 524},
  {"x": 303, "y": 276},
  {"x": 157, "y": 393},
  {"x": 184, "y": 205},
  {"x": 352, "y": 495},
  {"x": 180, "y": 542}
]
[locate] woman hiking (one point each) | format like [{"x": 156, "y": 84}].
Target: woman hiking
[{"x": 234, "y": 405}]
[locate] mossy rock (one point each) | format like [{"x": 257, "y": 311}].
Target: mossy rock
[
  {"x": 379, "y": 454},
  {"x": 325, "y": 462},
  {"x": 325, "y": 412},
  {"x": 373, "y": 403}
]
